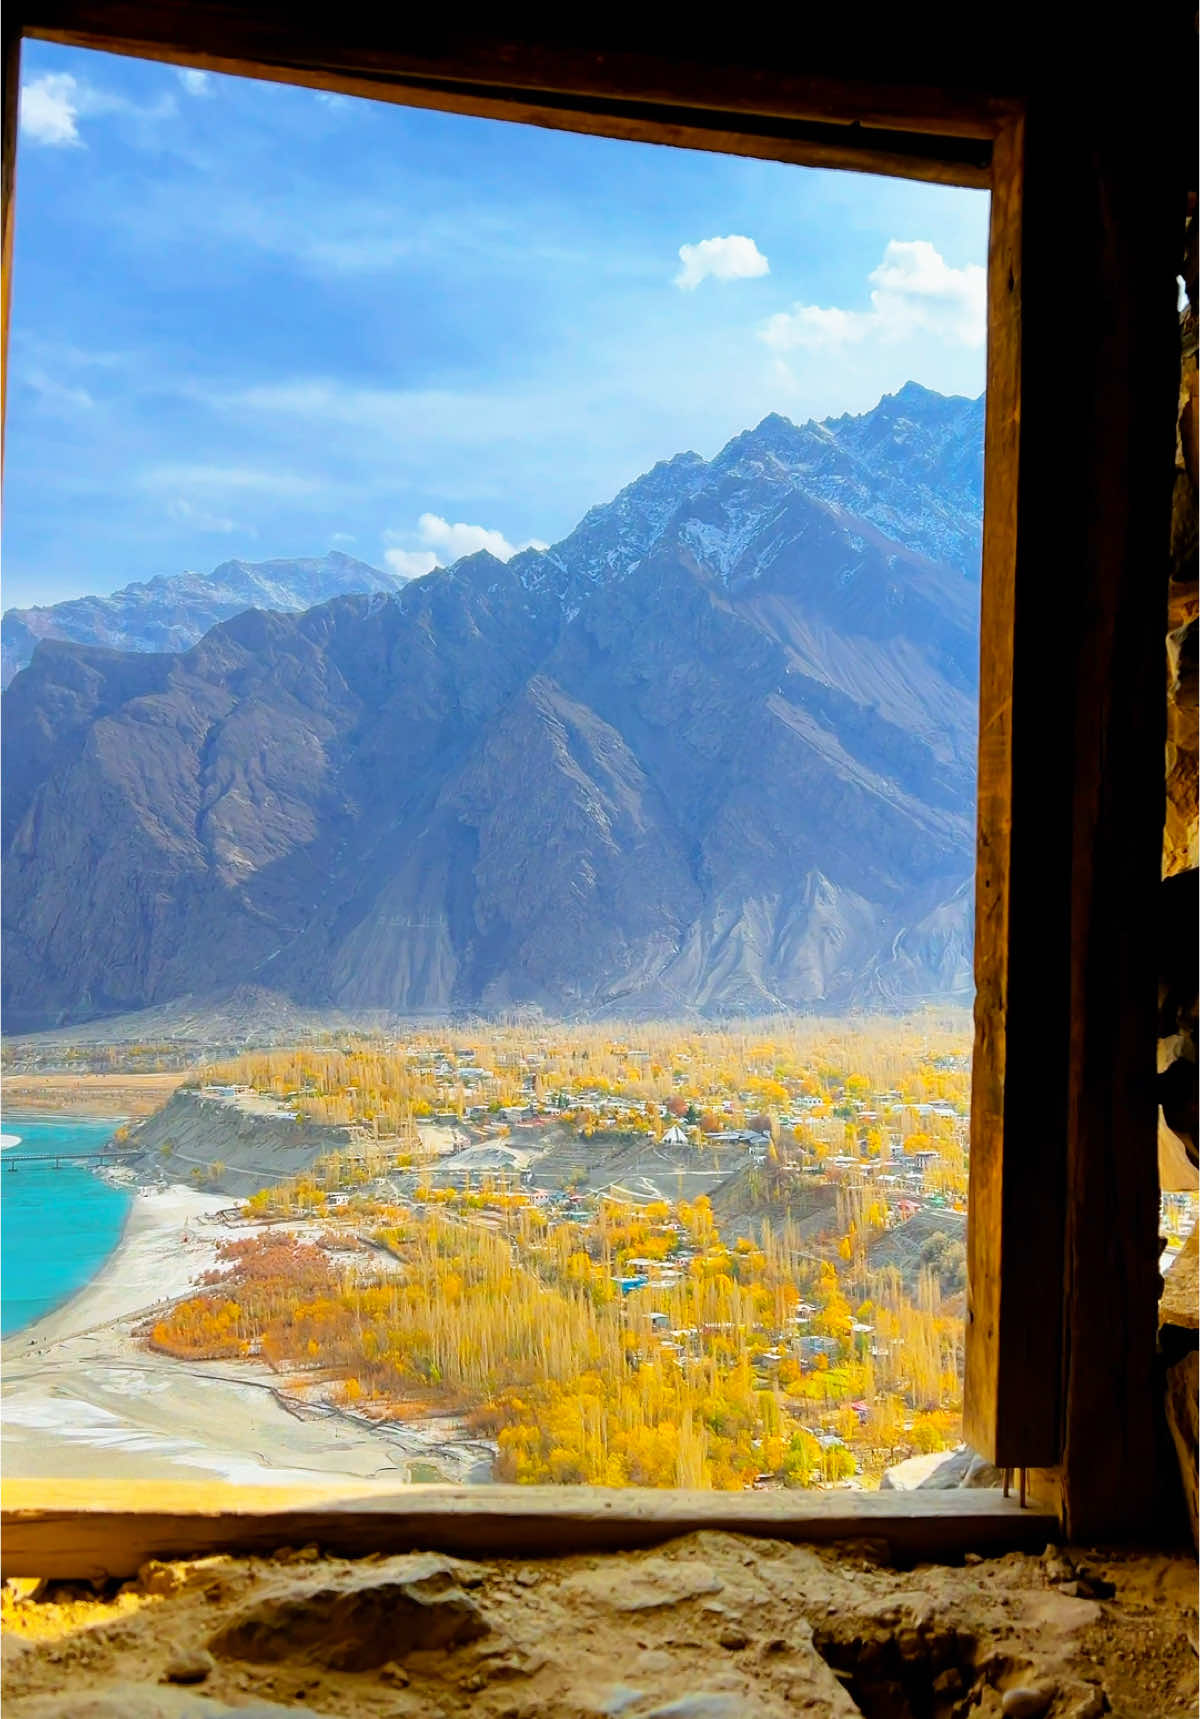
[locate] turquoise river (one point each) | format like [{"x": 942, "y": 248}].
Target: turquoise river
[{"x": 57, "y": 1226}]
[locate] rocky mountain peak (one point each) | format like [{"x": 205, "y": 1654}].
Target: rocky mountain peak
[
  {"x": 774, "y": 443},
  {"x": 481, "y": 569},
  {"x": 171, "y": 612},
  {"x": 611, "y": 539},
  {"x": 924, "y": 440},
  {"x": 713, "y": 752}
]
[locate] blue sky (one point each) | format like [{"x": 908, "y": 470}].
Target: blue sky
[{"x": 251, "y": 320}]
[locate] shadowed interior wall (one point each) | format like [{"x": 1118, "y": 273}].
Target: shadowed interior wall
[{"x": 1179, "y": 921}]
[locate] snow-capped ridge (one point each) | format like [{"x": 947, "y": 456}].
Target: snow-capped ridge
[
  {"x": 170, "y": 612},
  {"x": 911, "y": 469}
]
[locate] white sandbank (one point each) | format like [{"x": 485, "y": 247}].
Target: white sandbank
[
  {"x": 170, "y": 1238},
  {"x": 83, "y": 1396}
]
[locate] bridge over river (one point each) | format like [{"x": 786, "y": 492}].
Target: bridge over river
[{"x": 105, "y": 1156}]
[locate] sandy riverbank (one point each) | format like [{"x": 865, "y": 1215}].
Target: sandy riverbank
[
  {"x": 82, "y": 1396},
  {"x": 170, "y": 1238}
]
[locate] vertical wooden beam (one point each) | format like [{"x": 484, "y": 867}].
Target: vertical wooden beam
[
  {"x": 1126, "y": 233},
  {"x": 10, "y": 30},
  {"x": 1083, "y": 374},
  {"x": 1098, "y": 383},
  {"x": 1014, "y": 1224}
]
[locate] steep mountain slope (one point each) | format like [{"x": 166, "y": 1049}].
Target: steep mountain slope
[
  {"x": 169, "y": 614},
  {"x": 715, "y": 752}
]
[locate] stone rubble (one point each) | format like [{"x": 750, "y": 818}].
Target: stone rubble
[{"x": 711, "y": 1626}]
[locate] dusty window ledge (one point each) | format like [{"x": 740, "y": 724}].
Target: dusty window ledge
[{"x": 81, "y": 1528}]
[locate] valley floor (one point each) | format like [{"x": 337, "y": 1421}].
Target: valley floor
[{"x": 118, "y": 1095}]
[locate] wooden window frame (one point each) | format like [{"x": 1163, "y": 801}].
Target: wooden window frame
[{"x": 1062, "y": 1211}]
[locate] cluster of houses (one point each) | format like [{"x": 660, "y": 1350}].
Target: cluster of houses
[
  {"x": 655, "y": 1273},
  {"x": 797, "y": 1341},
  {"x": 471, "y": 1082}
]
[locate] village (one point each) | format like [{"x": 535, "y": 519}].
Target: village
[
  {"x": 801, "y": 1100},
  {"x": 665, "y": 1255},
  {"x": 758, "y": 1237}
]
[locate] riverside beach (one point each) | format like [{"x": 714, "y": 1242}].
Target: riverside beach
[{"x": 83, "y": 1397}]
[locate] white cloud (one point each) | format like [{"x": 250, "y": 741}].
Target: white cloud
[
  {"x": 410, "y": 563},
  {"x": 52, "y": 105},
  {"x": 209, "y": 480},
  {"x": 914, "y": 291},
  {"x": 331, "y": 99},
  {"x": 63, "y": 354},
  {"x": 185, "y": 512},
  {"x": 470, "y": 417},
  {"x": 444, "y": 543},
  {"x": 734, "y": 258},
  {"x": 57, "y": 397},
  {"x": 49, "y": 109},
  {"x": 194, "y": 82}
]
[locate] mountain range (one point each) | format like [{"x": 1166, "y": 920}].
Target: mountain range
[
  {"x": 713, "y": 753},
  {"x": 171, "y": 612}
]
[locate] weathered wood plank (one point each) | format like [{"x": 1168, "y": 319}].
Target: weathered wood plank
[
  {"x": 1096, "y": 484},
  {"x": 1182, "y": 1384},
  {"x": 890, "y": 77},
  {"x": 1014, "y": 1241},
  {"x": 1125, "y": 237},
  {"x": 86, "y": 1528},
  {"x": 571, "y": 92},
  {"x": 1062, "y": 1242}
]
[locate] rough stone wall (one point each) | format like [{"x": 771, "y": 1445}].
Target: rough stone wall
[
  {"x": 1180, "y": 916},
  {"x": 1181, "y": 835},
  {"x": 1181, "y": 848}
]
